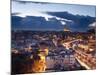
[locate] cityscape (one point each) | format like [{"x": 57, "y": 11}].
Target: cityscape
[{"x": 52, "y": 40}]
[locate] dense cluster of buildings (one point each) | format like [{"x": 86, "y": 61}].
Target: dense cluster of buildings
[{"x": 65, "y": 49}]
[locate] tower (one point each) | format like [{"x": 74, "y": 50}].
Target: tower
[{"x": 65, "y": 28}]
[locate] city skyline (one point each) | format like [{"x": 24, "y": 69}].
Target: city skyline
[{"x": 52, "y": 37}]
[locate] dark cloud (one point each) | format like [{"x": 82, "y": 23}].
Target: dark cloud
[
  {"x": 36, "y": 23},
  {"x": 24, "y": 2},
  {"x": 16, "y": 13},
  {"x": 79, "y": 22}
]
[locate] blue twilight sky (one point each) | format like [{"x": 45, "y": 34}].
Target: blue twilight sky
[{"x": 39, "y": 9}]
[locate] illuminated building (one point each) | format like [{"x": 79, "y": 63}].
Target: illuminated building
[{"x": 66, "y": 29}]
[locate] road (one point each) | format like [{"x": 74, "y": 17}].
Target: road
[{"x": 83, "y": 58}]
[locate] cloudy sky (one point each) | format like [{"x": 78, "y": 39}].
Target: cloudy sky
[
  {"x": 50, "y": 15},
  {"x": 29, "y": 8}
]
